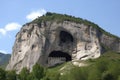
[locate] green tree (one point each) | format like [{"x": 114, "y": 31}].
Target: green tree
[
  {"x": 45, "y": 78},
  {"x": 11, "y": 75},
  {"x": 30, "y": 77},
  {"x": 24, "y": 74},
  {"x": 2, "y": 74},
  {"x": 38, "y": 72},
  {"x": 107, "y": 76}
]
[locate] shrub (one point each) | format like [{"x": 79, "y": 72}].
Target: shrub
[
  {"x": 2, "y": 74},
  {"x": 38, "y": 72},
  {"x": 107, "y": 76},
  {"x": 11, "y": 75},
  {"x": 24, "y": 74}
]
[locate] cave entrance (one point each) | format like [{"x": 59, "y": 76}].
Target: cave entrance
[
  {"x": 65, "y": 37},
  {"x": 58, "y": 57}
]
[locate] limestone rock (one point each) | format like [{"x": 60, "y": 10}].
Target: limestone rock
[{"x": 51, "y": 42}]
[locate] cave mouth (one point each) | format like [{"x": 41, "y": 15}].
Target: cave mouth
[
  {"x": 58, "y": 57},
  {"x": 65, "y": 37}
]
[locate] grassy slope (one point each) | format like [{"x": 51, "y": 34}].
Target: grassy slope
[
  {"x": 107, "y": 67},
  {"x": 110, "y": 56}
]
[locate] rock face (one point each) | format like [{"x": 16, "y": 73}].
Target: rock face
[{"x": 50, "y": 43}]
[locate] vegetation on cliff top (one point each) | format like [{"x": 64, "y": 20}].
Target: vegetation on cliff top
[{"x": 63, "y": 17}]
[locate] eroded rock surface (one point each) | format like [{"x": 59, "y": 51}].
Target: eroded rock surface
[{"x": 51, "y": 43}]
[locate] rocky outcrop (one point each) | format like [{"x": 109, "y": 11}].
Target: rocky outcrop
[{"x": 51, "y": 42}]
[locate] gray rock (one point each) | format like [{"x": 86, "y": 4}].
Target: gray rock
[{"x": 51, "y": 43}]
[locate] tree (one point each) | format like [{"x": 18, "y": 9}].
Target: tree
[
  {"x": 24, "y": 74},
  {"x": 38, "y": 72},
  {"x": 30, "y": 77},
  {"x": 107, "y": 76},
  {"x": 11, "y": 75},
  {"x": 2, "y": 74}
]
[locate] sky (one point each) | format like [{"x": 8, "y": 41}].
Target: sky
[{"x": 15, "y": 13}]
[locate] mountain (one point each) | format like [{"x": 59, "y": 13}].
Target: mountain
[
  {"x": 53, "y": 39},
  {"x": 4, "y": 59}
]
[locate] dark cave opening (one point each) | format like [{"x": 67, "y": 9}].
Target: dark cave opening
[
  {"x": 59, "y": 54},
  {"x": 65, "y": 37}
]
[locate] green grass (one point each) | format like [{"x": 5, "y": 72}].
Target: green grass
[
  {"x": 106, "y": 67},
  {"x": 110, "y": 55}
]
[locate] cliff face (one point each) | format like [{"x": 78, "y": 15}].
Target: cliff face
[{"x": 51, "y": 42}]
